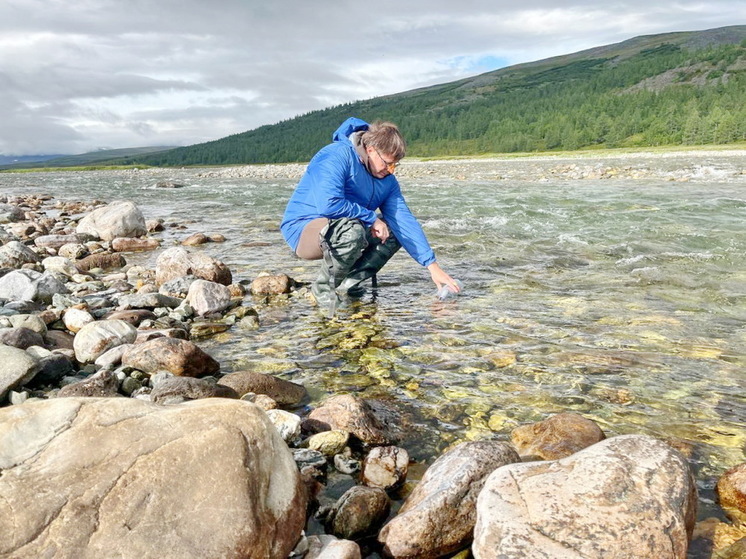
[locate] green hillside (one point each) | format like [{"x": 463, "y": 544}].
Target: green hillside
[{"x": 671, "y": 89}]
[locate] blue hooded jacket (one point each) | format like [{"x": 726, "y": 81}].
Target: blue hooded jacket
[{"x": 336, "y": 184}]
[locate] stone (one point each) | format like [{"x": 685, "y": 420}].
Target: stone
[
  {"x": 21, "y": 338},
  {"x": 30, "y": 285},
  {"x": 30, "y": 321},
  {"x": 350, "y": 413},
  {"x": 112, "y": 357},
  {"x": 731, "y": 490},
  {"x": 130, "y": 244},
  {"x": 56, "y": 242},
  {"x": 271, "y": 285},
  {"x": 57, "y": 339},
  {"x": 10, "y": 213},
  {"x": 438, "y": 517},
  {"x": 329, "y": 443},
  {"x": 359, "y": 512},
  {"x": 121, "y": 218},
  {"x": 286, "y": 423},
  {"x": 180, "y": 357},
  {"x": 208, "y": 478},
  {"x": 52, "y": 368},
  {"x": 283, "y": 392},
  {"x": 190, "y": 389},
  {"x": 133, "y": 316},
  {"x": 178, "y": 261},
  {"x": 15, "y": 254},
  {"x": 74, "y": 319},
  {"x": 208, "y": 297},
  {"x": 73, "y": 250},
  {"x": 147, "y": 301},
  {"x": 177, "y": 287},
  {"x": 631, "y": 492},
  {"x": 103, "y": 384},
  {"x": 195, "y": 240},
  {"x": 103, "y": 260},
  {"x": 385, "y": 467},
  {"x": 94, "y": 339},
  {"x": 305, "y": 457},
  {"x": 325, "y": 546},
  {"x": 18, "y": 368},
  {"x": 556, "y": 437},
  {"x": 60, "y": 265}
]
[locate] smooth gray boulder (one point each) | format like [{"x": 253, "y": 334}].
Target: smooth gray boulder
[
  {"x": 121, "y": 218},
  {"x": 30, "y": 285},
  {"x": 94, "y": 339},
  {"x": 15, "y": 254},
  {"x": 439, "y": 515},
  {"x": 627, "y": 496},
  {"x": 91, "y": 478},
  {"x": 18, "y": 368}
]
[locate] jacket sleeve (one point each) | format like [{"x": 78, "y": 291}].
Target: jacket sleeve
[
  {"x": 328, "y": 173},
  {"x": 405, "y": 226}
]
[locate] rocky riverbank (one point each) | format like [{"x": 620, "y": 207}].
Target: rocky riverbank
[
  {"x": 120, "y": 436},
  {"x": 674, "y": 166}
]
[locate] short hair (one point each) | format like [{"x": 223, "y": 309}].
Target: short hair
[{"x": 385, "y": 137}]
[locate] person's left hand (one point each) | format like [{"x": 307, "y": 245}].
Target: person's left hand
[{"x": 380, "y": 230}]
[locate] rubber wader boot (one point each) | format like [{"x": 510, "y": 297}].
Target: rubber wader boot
[
  {"x": 342, "y": 243},
  {"x": 373, "y": 259}
]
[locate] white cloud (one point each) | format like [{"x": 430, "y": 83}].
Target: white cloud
[{"x": 75, "y": 76}]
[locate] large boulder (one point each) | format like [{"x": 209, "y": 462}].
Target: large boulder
[
  {"x": 731, "y": 489},
  {"x": 94, "y": 478},
  {"x": 556, "y": 437},
  {"x": 178, "y": 357},
  {"x": 96, "y": 338},
  {"x": 628, "y": 496},
  {"x": 18, "y": 368},
  {"x": 439, "y": 515},
  {"x": 118, "y": 219},
  {"x": 178, "y": 261}
]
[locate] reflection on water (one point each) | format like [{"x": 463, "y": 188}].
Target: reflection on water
[{"x": 621, "y": 300}]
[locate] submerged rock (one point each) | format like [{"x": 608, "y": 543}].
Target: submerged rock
[
  {"x": 632, "y": 493},
  {"x": 556, "y": 437},
  {"x": 283, "y": 392}
]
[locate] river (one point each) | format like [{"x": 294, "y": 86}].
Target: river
[{"x": 614, "y": 288}]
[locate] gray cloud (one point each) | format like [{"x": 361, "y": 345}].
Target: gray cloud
[{"x": 118, "y": 73}]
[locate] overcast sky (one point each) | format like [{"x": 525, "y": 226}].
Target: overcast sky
[{"x": 81, "y": 75}]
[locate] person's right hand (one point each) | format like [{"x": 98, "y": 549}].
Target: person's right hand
[{"x": 380, "y": 230}]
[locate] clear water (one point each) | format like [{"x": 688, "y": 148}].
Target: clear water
[{"x": 622, "y": 300}]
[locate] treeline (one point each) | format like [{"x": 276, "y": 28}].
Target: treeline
[{"x": 666, "y": 95}]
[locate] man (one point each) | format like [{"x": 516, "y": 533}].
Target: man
[{"x": 332, "y": 213}]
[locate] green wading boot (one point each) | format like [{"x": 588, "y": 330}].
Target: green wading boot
[
  {"x": 367, "y": 266},
  {"x": 342, "y": 244}
]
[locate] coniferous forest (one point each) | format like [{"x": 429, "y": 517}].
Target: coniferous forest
[{"x": 676, "y": 89}]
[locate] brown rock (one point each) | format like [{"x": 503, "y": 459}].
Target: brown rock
[
  {"x": 180, "y": 357},
  {"x": 195, "y": 240},
  {"x": 176, "y": 262},
  {"x": 132, "y": 244},
  {"x": 133, "y": 316},
  {"x": 356, "y": 416},
  {"x": 360, "y": 511},
  {"x": 557, "y": 437},
  {"x": 103, "y": 260},
  {"x": 283, "y": 392},
  {"x": 22, "y": 338},
  {"x": 191, "y": 389},
  {"x": 731, "y": 490},
  {"x": 103, "y": 384},
  {"x": 57, "y": 339},
  {"x": 271, "y": 285}
]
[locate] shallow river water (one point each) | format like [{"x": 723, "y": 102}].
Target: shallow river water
[{"x": 623, "y": 299}]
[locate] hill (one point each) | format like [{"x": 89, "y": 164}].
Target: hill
[
  {"x": 669, "y": 89},
  {"x": 84, "y": 159}
]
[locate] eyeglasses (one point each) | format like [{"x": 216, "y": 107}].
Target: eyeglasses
[{"x": 391, "y": 167}]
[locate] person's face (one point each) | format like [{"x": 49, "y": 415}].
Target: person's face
[{"x": 381, "y": 165}]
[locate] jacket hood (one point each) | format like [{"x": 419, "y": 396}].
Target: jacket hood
[{"x": 349, "y": 126}]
